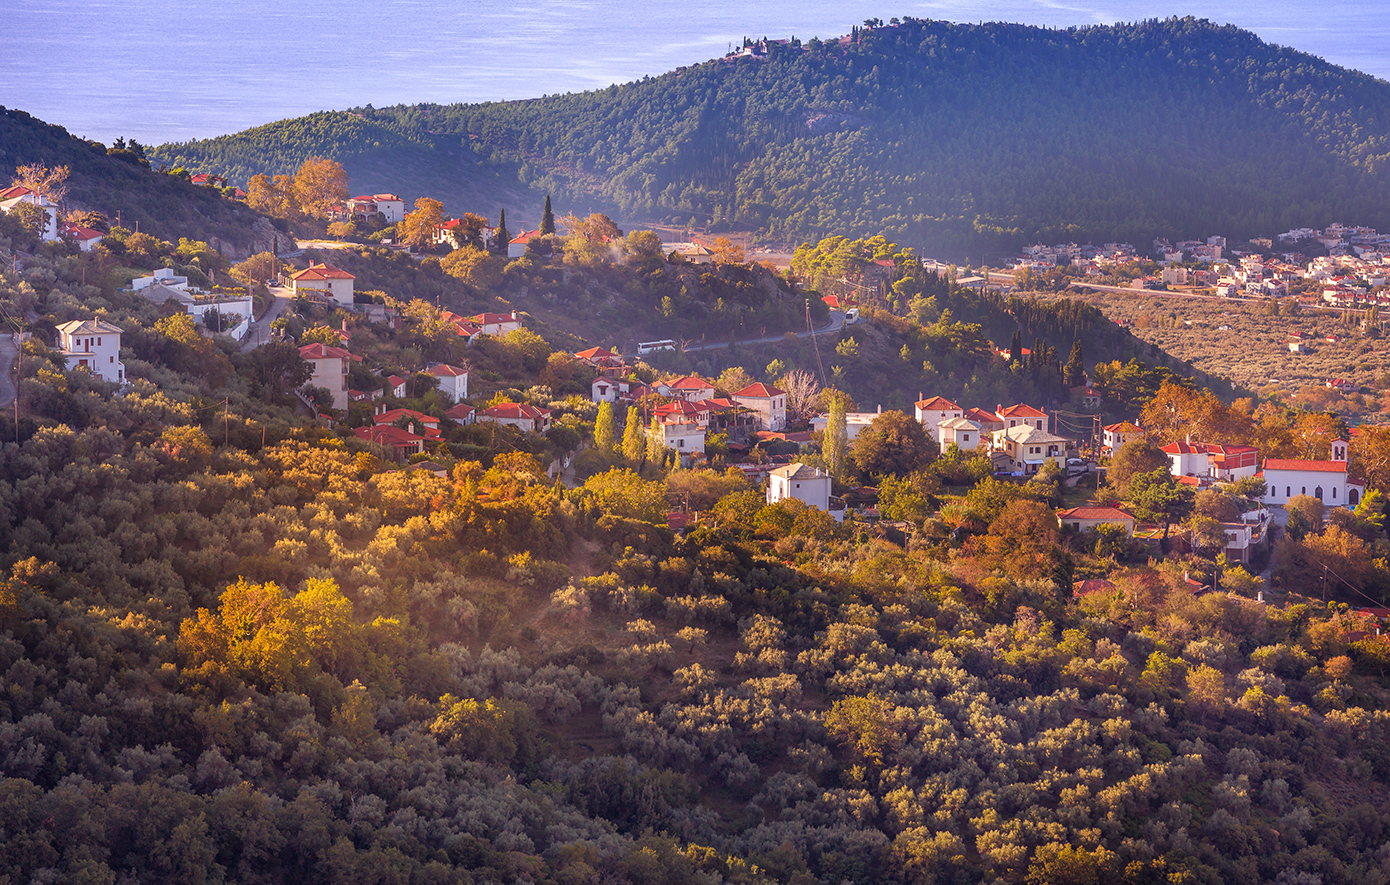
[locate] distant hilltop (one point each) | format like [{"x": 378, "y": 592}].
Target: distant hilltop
[{"x": 962, "y": 140}]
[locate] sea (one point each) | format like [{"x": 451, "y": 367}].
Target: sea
[{"x": 173, "y": 70}]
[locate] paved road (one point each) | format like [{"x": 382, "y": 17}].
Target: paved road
[
  {"x": 837, "y": 322},
  {"x": 260, "y": 329},
  {"x": 1165, "y": 293},
  {"x": 9, "y": 352}
]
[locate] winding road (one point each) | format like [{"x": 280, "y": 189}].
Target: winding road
[
  {"x": 260, "y": 329},
  {"x": 837, "y": 322}
]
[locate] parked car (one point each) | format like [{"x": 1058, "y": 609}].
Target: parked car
[{"x": 1077, "y": 466}]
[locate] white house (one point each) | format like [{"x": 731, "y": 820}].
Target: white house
[
  {"x": 1028, "y": 448},
  {"x": 84, "y": 237},
  {"x": 324, "y": 281},
  {"x": 521, "y": 415},
  {"x": 330, "y": 365},
  {"x": 1014, "y": 416},
  {"x": 495, "y": 324},
  {"x": 961, "y": 432},
  {"x": 1083, "y": 518},
  {"x": 854, "y": 422},
  {"x": 1115, "y": 435},
  {"x": 768, "y": 403},
  {"x": 389, "y": 206},
  {"x": 933, "y": 410},
  {"x": 461, "y": 414},
  {"x": 805, "y": 484},
  {"x": 1226, "y": 463},
  {"x": 686, "y": 438},
  {"x": 603, "y": 390},
  {"x": 516, "y": 247},
  {"x": 165, "y": 277},
  {"x": 453, "y": 381},
  {"x": 1286, "y": 478},
  {"x": 95, "y": 345},
  {"x": 691, "y": 388},
  {"x": 11, "y": 197}
]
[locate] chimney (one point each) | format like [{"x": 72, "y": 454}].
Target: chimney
[
  {"x": 513, "y": 314},
  {"x": 880, "y": 408}
]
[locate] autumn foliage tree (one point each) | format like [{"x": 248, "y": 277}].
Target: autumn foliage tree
[{"x": 319, "y": 185}]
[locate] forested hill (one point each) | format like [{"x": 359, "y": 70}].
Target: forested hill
[
  {"x": 950, "y": 137},
  {"x": 115, "y": 181}
]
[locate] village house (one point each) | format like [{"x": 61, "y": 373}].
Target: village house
[
  {"x": 520, "y": 415},
  {"x": 453, "y": 381},
  {"x": 767, "y": 403},
  {"x": 396, "y": 384},
  {"x": 809, "y": 485},
  {"x": 94, "y": 345},
  {"x": 1327, "y": 481},
  {"x": 692, "y": 253},
  {"x": 687, "y": 387},
  {"x": 12, "y": 197},
  {"x": 604, "y": 361},
  {"x": 84, "y": 237},
  {"x": 1028, "y": 448},
  {"x": 988, "y": 421},
  {"x": 461, "y": 414},
  {"x": 517, "y": 245},
  {"x": 1115, "y": 435},
  {"x": 330, "y": 365},
  {"x": 960, "y": 432},
  {"x": 1017, "y": 415},
  {"x": 389, "y": 207},
  {"x": 496, "y": 324},
  {"x": 425, "y": 425},
  {"x": 1083, "y": 518},
  {"x": 392, "y": 441},
  {"x": 933, "y": 410},
  {"x": 855, "y": 422},
  {"x": 1204, "y": 460},
  {"x": 686, "y": 438},
  {"x": 1089, "y": 397},
  {"x": 164, "y": 277},
  {"x": 325, "y": 283},
  {"x": 603, "y": 390}
]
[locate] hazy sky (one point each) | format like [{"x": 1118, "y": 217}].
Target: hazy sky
[{"x": 161, "y": 70}]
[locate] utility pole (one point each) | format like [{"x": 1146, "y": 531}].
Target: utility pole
[{"x": 226, "y": 432}]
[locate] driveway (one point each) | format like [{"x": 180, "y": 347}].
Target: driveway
[{"x": 260, "y": 329}]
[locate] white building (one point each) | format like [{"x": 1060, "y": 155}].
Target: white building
[
  {"x": 453, "y": 381},
  {"x": 854, "y": 423},
  {"x": 94, "y": 345},
  {"x": 685, "y": 438},
  {"x": 933, "y": 410},
  {"x": 1287, "y": 478},
  {"x": 11, "y": 197},
  {"x": 603, "y": 390},
  {"x": 960, "y": 432},
  {"x": 324, "y": 281},
  {"x": 1028, "y": 448},
  {"x": 516, "y": 246},
  {"x": 496, "y": 324},
  {"x": 84, "y": 237},
  {"x": 1115, "y": 435},
  {"x": 165, "y": 277},
  {"x": 390, "y": 207},
  {"x": 806, "y": 484},
  {"x": 768, "y": 403},
  {"x": 520, "y": 415},
  {"x": 330, "y": 365},
  {"x": 691, "y": 388}
]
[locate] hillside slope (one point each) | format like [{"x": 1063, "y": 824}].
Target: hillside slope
[
  {"x": 165, "y": 206},
  {"x": 956, "y": 138}
]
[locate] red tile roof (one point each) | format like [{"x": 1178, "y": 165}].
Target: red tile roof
[
  {"x": 678, "y": 407},
  {"x": 1294, "y": 464},
  {"x": 322, "y": 272},
  {"x": 596, "y": 352},
  {"x": 318, "y": 351},
  {"x": 515, "y": 410},
  {"x": 1021, "y": 411},
  {"x": 1122, "y": 427},
  {"x": 690, "y": 382},
  {"x": 443, "y": 370},
  {"x": 488, "y": 319},
  {"x": 462, "y": 410},
  {"x": 1093, "y": 513},
  {"x": 78, "y": 232},
  {"x": 388, "y": 434},
  {"x": 936, "y": 404},
  {"x": 13, "y": 193},
  {"x": 525, "y": 237},
  {"x": 390, "y": 416},
  {"x": 759, "y": 390}
]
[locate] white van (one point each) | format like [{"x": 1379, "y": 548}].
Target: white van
[
  {"x": 645, "y": 347},
  {"x": 851, "y": 316}
]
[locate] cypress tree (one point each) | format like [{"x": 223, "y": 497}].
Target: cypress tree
[
  {"x": 547, "y": 218},
  {"x": 603, "y": 428},
  {"x": 634, "y": 446},
  {"x": 656, "y": 443},
  {"x": 836, "y": 437},
  {"x": 504, "y": 236},
  {"x": 1016, "y": 348},
  {"x": 1074, "y": 373}
]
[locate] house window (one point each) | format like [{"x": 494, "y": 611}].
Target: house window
[
  {"x": 1303, "y": 490},
  {"x": 1318, "y": 492},
  {"x": 1334, "y": 493},
  {"x": 1288, "y": 492}
]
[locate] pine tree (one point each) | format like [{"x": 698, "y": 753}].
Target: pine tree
[
  {"x": 504, "y": 236},
  {"x": 836, "y": 437},
  {"x": 603, "y": 428},
  {"x": 634, "y": 446},
  {"x": 547, "y": 218},
  {"x": 1074, "y": 373}
]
